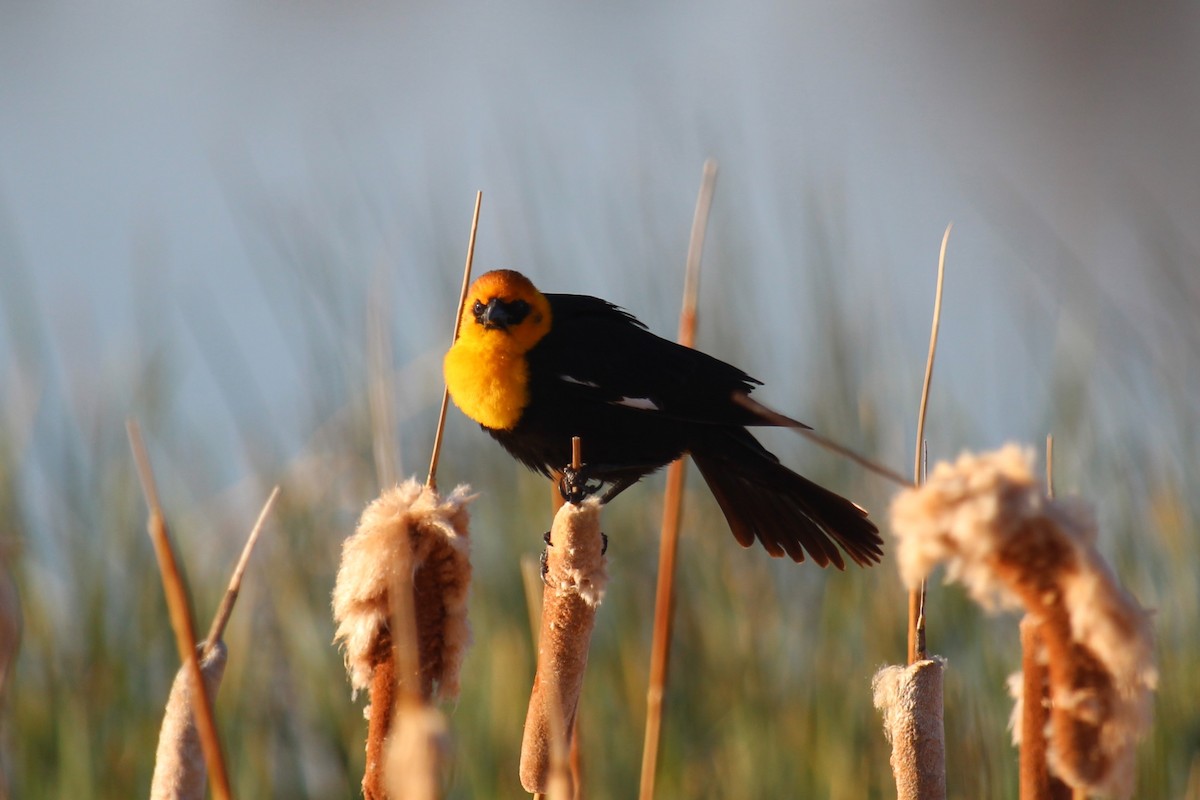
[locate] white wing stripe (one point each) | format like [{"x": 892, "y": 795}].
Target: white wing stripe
[
  {"x": 577, "y": 382},
  {"x": 643, "y": 403}
]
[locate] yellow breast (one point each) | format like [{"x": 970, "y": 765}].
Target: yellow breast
[{"x": 489, "y": 384}]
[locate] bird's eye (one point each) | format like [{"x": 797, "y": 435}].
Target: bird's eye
[
  {"x": 519, "y": 310},
  {"x": 478, "y": 309}
]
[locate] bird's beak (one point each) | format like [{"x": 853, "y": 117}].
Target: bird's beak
[
  {"x": 499, "y": 315},
  {"x": 495, "y": 315}
]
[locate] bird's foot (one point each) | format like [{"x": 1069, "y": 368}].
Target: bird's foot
[
  {"x": 545, "y": 557},
  {"x": 576, "y": 484}
]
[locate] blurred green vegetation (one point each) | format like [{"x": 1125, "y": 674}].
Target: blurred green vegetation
[{"x": 769, "y": 692}]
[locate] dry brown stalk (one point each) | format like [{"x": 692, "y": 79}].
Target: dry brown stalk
[
  {"x": 660, "y": 646},
  {"x": 917, "y": 596},
  {"x": 462, "y": 299},
  {"x": 911, "y": 701},
  {"x": 911, "y": 698},
  {"x": 181, "y": 616},
  {"x": 379, "y": 718},
  {"x": 406, "y": 568},
  {"x": 179, "y": 772},
  {"x": 217, "y": 629},
  {"x": 1036, "y": 782},
  {"x": 1034, "y": 777},
  {"x": 576, "y": 575},
  {"x": 1010, "y": 545},
  {"x": 400, "y": 598},
  {"x": 784, "y": 421},
  {"x": 415, "y": 751}
]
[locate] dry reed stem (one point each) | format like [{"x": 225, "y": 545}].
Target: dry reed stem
[
  {"x": 217, "y": 629},
  {"x": 179, "y": 772},
  {"x": 1036, "y": 782},
  {"x": 400, "y": 602},
  {"x": 575, "y": 581},
  {"x": 1034, "y": 776},
  {"x": 783, "y": 421},
  {"x": 911, "y": 701},
  {"x": 379, "y": 718},
  {"x": 416, "y": 750},
  {"x": 462, "y": 300},
  {"x": 664, "y": 594},
  {"x": 1009, "y": 545},
  {"x": 386, "y": 612},
  {"x": 181, "y": 616},
  {"x": 917, "y": 596}
]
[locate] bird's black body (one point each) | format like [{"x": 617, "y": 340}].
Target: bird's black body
[{"x": 638, "y": 402}]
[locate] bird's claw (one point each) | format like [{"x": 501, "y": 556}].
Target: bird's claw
[{"x": 575, "y": 484}]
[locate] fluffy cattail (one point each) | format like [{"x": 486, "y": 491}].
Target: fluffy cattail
[
  {"x": 576, "y": 575},
  {"x": 434, "y": 529},
  {"x": 414, "y": 542},
  {"x": 988, "y": 518}
]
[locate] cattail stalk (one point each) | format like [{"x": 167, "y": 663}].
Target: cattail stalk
[
  {"x": 660, "y": 647},
  {"x": 1010, "y": 545},
  {"x": 916, "y": 597},
  {"x": 400, "y": 602},
  {"x": 179, "y": 768},
  {"x": 910, "y": 699},
  {"x": 1036, "y": 782},
  {"x": 576, "y": 576},
  {"x": 217, "y": 629},
  {"x": 181, "y": 618},
  {"x": 411, "y": 545},
  {"x": 462, "y": 300}
]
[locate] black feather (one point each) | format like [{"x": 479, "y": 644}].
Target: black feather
[{"x": 638, "y": 402}]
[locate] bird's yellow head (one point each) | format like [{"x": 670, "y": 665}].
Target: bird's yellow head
[
  {"x": 486, "y": 372},
  {"x": 504, "y": 308}
]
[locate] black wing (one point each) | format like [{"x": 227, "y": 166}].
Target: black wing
[{"x": 599, "y": 353}]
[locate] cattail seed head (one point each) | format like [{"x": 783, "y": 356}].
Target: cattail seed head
[
  {"x": 988, "y": 519},
  {"x": 411, "y": 526}
]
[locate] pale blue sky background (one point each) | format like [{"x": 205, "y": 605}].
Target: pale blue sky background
[{"x": 201, "y": 153}]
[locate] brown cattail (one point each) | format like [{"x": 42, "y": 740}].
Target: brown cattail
[
  {"x": 412, "y": 541},
  {"x": 576, "y": 576},
  {"x": 911, "y": 701},
  {"x": 987, "y": 517},
  {"x": 435, "y": 529},
  {"x": 179, "y": 770}
]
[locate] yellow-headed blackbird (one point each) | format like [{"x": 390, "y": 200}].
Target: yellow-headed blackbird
[{"x": 536, "y": 369}]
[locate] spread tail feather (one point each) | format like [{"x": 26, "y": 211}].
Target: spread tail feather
[{"x": 787, "y": 513}]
